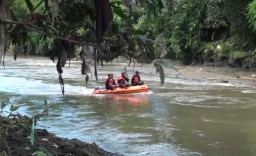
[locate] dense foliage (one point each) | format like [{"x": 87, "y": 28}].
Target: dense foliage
[{"x": 213, "y": 32}]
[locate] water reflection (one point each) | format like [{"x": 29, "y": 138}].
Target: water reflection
[{"x": 125, "y": 102}]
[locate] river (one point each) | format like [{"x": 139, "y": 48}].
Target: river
[{"x": 180, "y": 118}]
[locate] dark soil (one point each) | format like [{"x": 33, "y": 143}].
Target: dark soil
[{"x": 15, "y": 141}]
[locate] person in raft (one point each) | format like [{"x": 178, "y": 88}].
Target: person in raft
[
  {"x": 110, "y": 83},
  {"x": 136, "y": 79},
  {"x": 122, "y": 81}
]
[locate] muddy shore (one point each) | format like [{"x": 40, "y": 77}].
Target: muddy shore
[
  {"x": 15, "y": 141},
  {"x": 234, "y": 76}
]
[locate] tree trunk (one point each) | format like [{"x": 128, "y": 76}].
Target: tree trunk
[{"x": 4, "y": 14}]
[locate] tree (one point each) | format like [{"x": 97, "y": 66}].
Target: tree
[{"x": 4, "y": 14}]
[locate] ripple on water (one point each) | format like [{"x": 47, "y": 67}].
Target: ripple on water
[
  {"x": 248, "y": 91},
  {"x": 26, "y": 86},
  {"x": 151, "y": 124}
]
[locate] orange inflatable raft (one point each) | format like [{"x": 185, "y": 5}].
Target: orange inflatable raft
[{"x": 129, "y": 90}]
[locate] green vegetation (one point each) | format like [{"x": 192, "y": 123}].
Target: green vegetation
[
  {"x": 187, "y": 30},
  {"x": 26, "y": 122}
]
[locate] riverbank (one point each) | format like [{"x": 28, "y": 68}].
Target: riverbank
[
  {"x": 15, "y": 140},
  {"x": 234, "y": 76},
  {"x": 211, "y": 74}
]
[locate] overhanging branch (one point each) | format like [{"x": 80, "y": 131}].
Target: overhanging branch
[{"x": 30, "y": 26}]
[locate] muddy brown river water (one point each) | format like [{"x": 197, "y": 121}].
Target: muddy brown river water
[{"x": 183, "y": 117}]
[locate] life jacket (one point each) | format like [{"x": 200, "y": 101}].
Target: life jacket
[
  {"x": 136, "y": 80},
  {"x": 110, "y": 81},
  {"x": 121, "y": 80}
]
